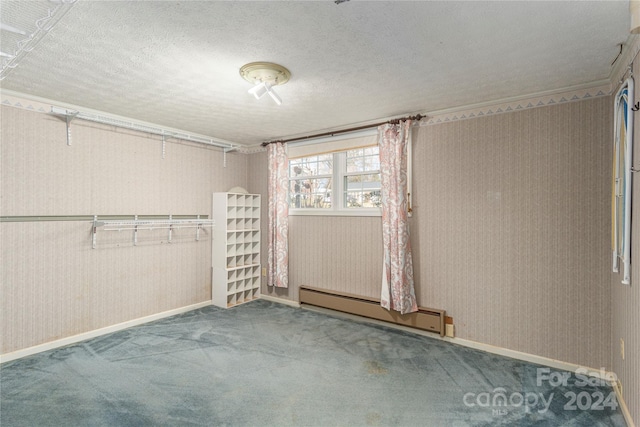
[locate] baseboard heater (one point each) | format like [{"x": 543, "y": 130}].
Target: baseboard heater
[{"x": 425, "y": 318}]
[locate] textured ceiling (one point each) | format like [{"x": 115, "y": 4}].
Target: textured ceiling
[{"x": 176, "y": 63}]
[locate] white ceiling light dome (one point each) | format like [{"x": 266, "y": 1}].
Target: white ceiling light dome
[
  {"x": 265, "y": 75},
  {"x": 265, "y": 72}
]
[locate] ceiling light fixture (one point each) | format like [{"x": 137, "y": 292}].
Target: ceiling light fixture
[
  {"x": 274, "y": 96},
  {"x": 259, "y": 90},
  {"x": 265, "y": 75}
]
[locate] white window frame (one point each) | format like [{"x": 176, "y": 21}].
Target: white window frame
[
  {"x": 338, "y": 207},
  {"x": 338, "y": 146},
  {"x": 342, "y": 144}
]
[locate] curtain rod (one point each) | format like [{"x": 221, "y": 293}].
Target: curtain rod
[{"x": 338, "y": 132}]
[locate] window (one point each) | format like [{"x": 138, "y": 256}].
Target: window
[
  {"x": 362, "y": 178},
  {"x": 310, "y": 182},
  {"x": 341, "y": 183}
]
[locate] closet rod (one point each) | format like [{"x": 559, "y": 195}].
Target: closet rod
[
  {"x": 43, "y": 218},
  {"x": 353, "y": 129},
  {"x": 143, "y": 127}
]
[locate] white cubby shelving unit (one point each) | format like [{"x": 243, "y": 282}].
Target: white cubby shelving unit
[{"x": 236, "y": 249}]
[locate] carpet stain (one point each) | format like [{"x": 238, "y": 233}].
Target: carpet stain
[
  {"x": 375, "y": 368},
  {"x": 373, "y": 419}
]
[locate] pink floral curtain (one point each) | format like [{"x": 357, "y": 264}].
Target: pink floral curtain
[
  {"x": 398, "y": 291},
  {"x": 278, "y": 229}
]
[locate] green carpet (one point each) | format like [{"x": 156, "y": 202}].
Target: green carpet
[{"x": 268, "y": 364}]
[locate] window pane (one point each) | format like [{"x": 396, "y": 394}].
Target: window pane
[
  {"x": 363, "y": 160},
  {"x": 370, "y": 151},
  {"x": 310, "y": 193},
  {"x": 310, "y": 166},
  {"x": 363, "y": 199},
  {"x": 362, "y": 191}
]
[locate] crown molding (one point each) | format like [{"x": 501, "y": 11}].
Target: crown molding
[
  {"x": 625, "y": 61},
  {"x": 509, "y": 105},
  {"x": 253, "y": 149}
]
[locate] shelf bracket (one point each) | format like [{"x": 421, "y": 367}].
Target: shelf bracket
[
  {"x": 198, "y": 229},
  {"x": 70, "y": 116},
  {"x": 224, "y": 154},
  {"x": 135, "y": 231},
  {"x": 95, "y": 226},
  {"x": 164, "y": 145},
  {"x": 170, "y": 218}
]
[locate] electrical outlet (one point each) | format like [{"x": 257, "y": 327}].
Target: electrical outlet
[
  {"x": 449, "y": 330},
  {"x": 622, "y": 348},
  {"x": 264, "y": 272}
]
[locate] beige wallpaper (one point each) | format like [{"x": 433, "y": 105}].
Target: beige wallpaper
[
  {"x": 52, "y": 283},
  {"x": 510, "y": 232},
  {"x": 511, "y": 228},
  {"x": 257, "y": 166},
  {"x": 336, "y": 253},
  {"x": 625, "y": 299}
]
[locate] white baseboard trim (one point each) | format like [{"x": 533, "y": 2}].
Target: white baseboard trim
[
  {"x": 533, "y": 358},
  {"x": 288, "y": 302},
  {"x": 526, "y": 357},
  {"x": 97, "y": 332},
  {"x": 623, "y": 405}
]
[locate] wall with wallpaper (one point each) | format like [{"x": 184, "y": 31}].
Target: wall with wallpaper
[
  {"x": 510, "y": 231},
  {"x": 53, "y": 284}
]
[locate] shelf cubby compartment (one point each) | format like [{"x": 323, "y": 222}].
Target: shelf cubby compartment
[
  {"x": 231, "y": 275},
  {"x": 255, "y": 282},
  {"x": 231, "y": 250},
  {"x": 255, "y": 247},
  {"x": 231, "y": 300},
  {"x": 231, "y": 237}
]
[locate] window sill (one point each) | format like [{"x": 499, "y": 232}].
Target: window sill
[{"x": 335, "y": 212}]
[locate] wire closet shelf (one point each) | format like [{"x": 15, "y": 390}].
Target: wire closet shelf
[{"x": 136, "y": 225}]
